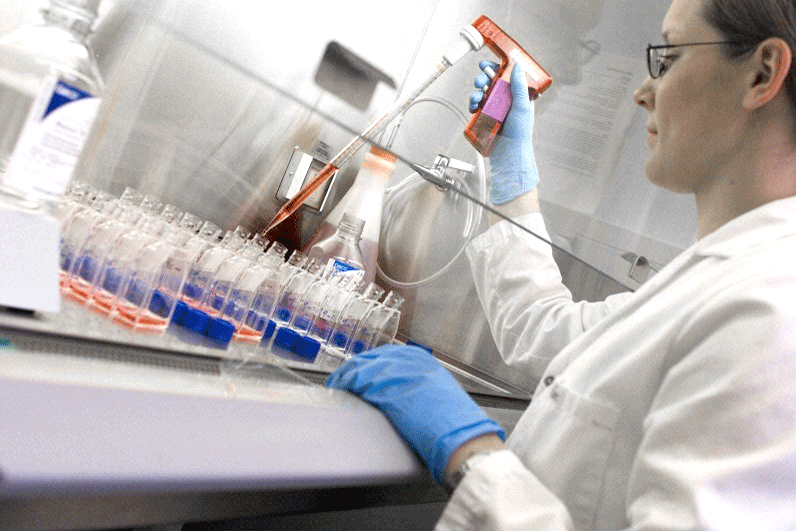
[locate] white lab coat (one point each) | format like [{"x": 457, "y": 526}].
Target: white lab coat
[{"x": 673, "y": 407}]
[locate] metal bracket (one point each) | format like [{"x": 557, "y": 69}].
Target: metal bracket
[
  {"x": 300, "y": 170},
  {"x": 437, "y": 173}
]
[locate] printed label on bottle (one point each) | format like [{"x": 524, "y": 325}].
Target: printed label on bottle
[
  {"x": 337, "y": 267},
  {"x": 51, "y": 140}
]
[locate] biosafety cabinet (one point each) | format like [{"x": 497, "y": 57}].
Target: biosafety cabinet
[{"x": 226, "y": 110}]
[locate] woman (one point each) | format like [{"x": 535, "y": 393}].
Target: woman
[{"x": 674, "y": 406}]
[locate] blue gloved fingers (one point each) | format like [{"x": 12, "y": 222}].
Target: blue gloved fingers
[
  {"x": 475, "y": 100},
  {"x": 512, "y": 162},
  {"x": 483, "y": 65},
  {"x": 519, "y": 84},
  {"x": 419, "y": 397},
  {"x": 519, "y": 121},
  {"x": 481, "y": 82}
]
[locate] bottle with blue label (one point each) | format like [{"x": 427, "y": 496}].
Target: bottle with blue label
[
  {"x": 340, "y": 252},
  {"x": 50, "y": 88}
]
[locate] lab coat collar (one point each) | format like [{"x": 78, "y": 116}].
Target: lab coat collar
[{"x": 757, "y": 228}]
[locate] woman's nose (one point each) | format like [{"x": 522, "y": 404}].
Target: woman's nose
[{"x": 643, "y": 96}]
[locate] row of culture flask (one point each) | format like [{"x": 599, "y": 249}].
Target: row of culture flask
[{"x": 146, "y": 266}]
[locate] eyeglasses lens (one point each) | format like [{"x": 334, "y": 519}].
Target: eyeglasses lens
[{"x": 653, "y": 62}]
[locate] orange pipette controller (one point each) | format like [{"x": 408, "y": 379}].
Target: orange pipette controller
[{"x": 486, "y": 122}]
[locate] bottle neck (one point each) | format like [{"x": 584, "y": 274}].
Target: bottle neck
[
  {"x": 349, "y": 232},
  {"x": 70, "y": 17}
]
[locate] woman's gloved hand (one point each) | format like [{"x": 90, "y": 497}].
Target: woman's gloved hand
[
  {"x": 421, "y": 399},
  {"x": 512, "y": 163}
]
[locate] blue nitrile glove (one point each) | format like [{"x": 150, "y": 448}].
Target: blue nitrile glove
[
  {"x": 512, "y": 163},
  {"x": 421, "y": 399}
]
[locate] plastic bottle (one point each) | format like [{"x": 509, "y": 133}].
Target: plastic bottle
[
  {"x": 338, "y": 346},
  {"x": 201, "y": 273},
  {"x": 155, "y": 282},
  {"x": 260, "y": 325},
  {"x": 85, "y": 269},
  {"x": 135, "y": 211},
  {"x": 78, "y": 228},
  {"x": 172, "y": 215},
  {"x": 331, "y": 308},
  {"x": 363, "y": 200},
  {"x": 228, "y": 271},
  {"x": 117, "y": 265},
  {"x": 78, "y": 196},
  {"x": 309, "y": 305},
  {"x": 379, "y": 325},
  {"x": 205, "y": 238},
  {"x": 50, "y": 90},
  {"x": 340, "y": 253},
  {"x": 291, "y": 293},
  {"x": 243, "y": 293}
]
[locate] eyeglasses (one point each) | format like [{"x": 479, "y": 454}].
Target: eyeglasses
[{"x": 656, "y": 62}]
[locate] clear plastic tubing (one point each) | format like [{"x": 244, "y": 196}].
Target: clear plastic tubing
[{"x": 394, "y": 193}]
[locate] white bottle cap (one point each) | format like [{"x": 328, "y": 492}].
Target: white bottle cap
[{"x": 354, "y": 222}]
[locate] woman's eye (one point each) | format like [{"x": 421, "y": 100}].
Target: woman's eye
[{"x": 664, "y": 62}]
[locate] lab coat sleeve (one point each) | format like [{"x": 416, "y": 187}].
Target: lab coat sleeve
[
  {"x": 718, "y": 448},
  {"x": 500, "y": 493},
  {"x": 530, "y": 312}
]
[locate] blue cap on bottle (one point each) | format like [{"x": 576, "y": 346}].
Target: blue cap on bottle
[
  {"x": 195, "y": 320},
  {"x": 269, "y": 329},
  {"x": 192, "y": 291},
  {"x": 286, "y": 338},
  {"x": 307, "y": 348},
  {"x": 220, "y": 331},
  {"x": 160, "y": 304},
  {"x": 179, "y": 312}
]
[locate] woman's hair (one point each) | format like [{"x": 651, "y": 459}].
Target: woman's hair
[{"x": 753, "y": 21}]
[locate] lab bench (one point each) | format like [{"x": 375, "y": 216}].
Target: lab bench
[{"x": 108, "y": 428}]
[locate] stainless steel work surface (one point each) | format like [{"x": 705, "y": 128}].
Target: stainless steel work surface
[
  {"x": 107, "y": 428},
  {"x": 101, "y": 434},
  {"x": 66, "y": 438}
]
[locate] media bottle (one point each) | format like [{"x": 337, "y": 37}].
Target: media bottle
[
  {"x": 341, "y": 252},
  {"x": 363, "y": 200},
  {"x": 50, "y": 89}
]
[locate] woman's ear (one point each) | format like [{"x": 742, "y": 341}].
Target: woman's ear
[{"x": 771, "y": 65}]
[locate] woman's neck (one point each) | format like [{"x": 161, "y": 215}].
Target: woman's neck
[{"x": 764, "y": 171}]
